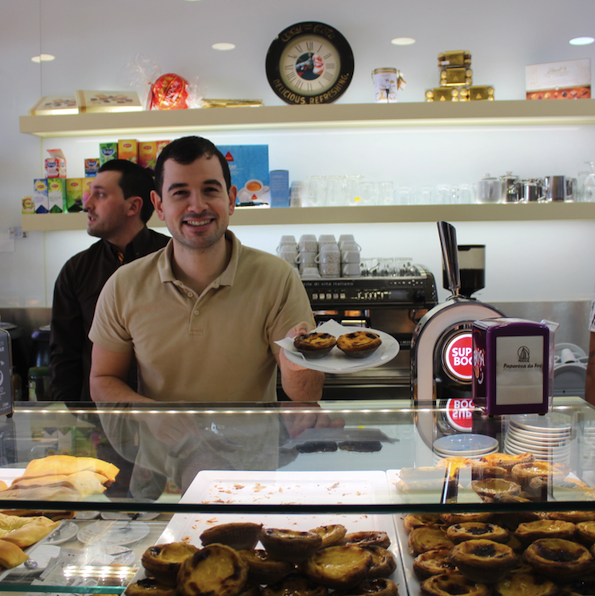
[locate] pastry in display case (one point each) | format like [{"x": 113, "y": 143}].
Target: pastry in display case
[{"x": 254, "y": 512}]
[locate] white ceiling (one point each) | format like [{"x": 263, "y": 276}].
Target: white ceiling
[{"x": 94, "y": 41}]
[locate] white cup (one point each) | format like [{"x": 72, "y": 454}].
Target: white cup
[
  {"x": 350, "y": 270},
  {"x": 330, "y": 269},
  {"x": 308, "y": 243},
  {"x": 327, "y": 239},
  {"x": 350, "y": 256},
  {"x": 349, "y": 246},
  {"x": 289, "y": 254},
  {"x": 310, "y": 272},
  {"x": 255, "y": 187},
  {"x": 306, "y": 258},
  {"x": 346, "y": 238}
]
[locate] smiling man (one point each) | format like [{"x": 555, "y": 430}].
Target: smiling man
[
  {"x": 117, "y": 209},
  {"x": 202, "y": 315}
]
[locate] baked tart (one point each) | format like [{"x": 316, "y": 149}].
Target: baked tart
[
  {"x": 215, "y": 570},
  {"x": 363, "y": 539},
  {"x": 338, "y": 567},
  {"x": 483, "y": 560},
  {"x": 263, "y": 569},
  {"x": 560, "y": 560},
  {"x": 459, "y": 518},
  {"x": 383, "y": 562},
  {"x": 295, "y": 585},
  {"x": 359, "y": 344},
  {"x": 572, "y": 516},
  {"x": 290, "y": 545},
  {"x": 371, "y": 587},
  {"x": 495, "y": 486},
  {"x": 586, "y": 532},
  {"x": 331, "y": 535},
  {"x": 524, "y": 473},
  {"x": 525, "y": 584},
  {"x": 473, "y": 530},
  {"x": 149, "y": 586},
  {"x": 428, "y": 538},
  {"x": 240, "y": 535},
  {"x": 545, "y": 528},
  {"x": 486, "y": 472},
  {"x": 420, "y": 520},
  {"x": 163, "y": 561},
  {"x": 506, "y": 460},
  {"x": 314, "y": 345},
  {"x": 451, "y": 584},
  {"x": 433, "y": 562}
]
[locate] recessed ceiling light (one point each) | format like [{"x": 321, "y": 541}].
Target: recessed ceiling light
[
  {"x": 223, "y": 47},
  {"x": 43, "y": 58},
  {"x": 581, "y": 41},
  {"x": 402, "y": 41}
]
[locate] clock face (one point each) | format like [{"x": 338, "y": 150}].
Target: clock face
[{"x": 309, "y": 63}]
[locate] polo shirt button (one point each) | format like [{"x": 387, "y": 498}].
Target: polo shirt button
[
  {"x": 196, "y": 313},
  {"x": 190, "y": 295}
]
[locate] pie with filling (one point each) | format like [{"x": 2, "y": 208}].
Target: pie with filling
[
  {"x": 359, "y": 344},
  {"x": 450, "y": 584},
  {"x": 483, "y": 560},
  {"x": 474, "y": 530},
  {"x": 163, "y": 561},
  {"x": 559, "y": 559},
  {"x": 314, "y": 345},
  {"x": 433, "y": 562}
]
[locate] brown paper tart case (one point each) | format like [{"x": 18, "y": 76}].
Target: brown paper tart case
[
  {"x": 263, "y": 569},
  {"x": 449, "y": 584},
  {"x": 290, "y": 545},
  {"x": 433, "y": 562},
  {"x": 371, "y": 587},
  {"x": 545, "y": 528},
  {"x": 525, "y": 584},
  {"x": 295, "y": 584},
  {"x": 559, "y": 560},
  {"x": 338, "y": 567},
  {"x": 483, "y": 560},
  {"x": 163, "y": 561},
  {"x": 474, "y": 530},
  {"x": 428, "y": 538},
  {"x": 215, "y": 570},
  {"x": 149, "y": 586},
  {"x": 239, "y": 535}
]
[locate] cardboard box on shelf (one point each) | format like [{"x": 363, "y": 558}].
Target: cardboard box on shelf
[
  {"x": 55, "y": 164},
  {"x": 40, "y": 195},
  {"x": 249, "y": 167},
  {"x": 56, "y": 195},
  {"x": 570, "y": 79},
  {"x": 128, "y": 149},
  {"x": 74, "y": 195}
]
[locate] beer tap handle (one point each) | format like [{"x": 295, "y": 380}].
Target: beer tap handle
[{"x": 448, "y": 242}]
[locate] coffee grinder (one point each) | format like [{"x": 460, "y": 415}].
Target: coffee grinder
[{"x": 441, "y": 350}]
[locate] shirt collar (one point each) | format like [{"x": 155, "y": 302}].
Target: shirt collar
[{"x": 225, "y": 279}]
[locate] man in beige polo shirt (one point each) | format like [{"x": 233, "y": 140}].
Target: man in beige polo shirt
[{"x": 201, "y": 315}]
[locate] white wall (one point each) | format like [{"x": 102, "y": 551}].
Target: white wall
[{"x": 94, "y": 41}]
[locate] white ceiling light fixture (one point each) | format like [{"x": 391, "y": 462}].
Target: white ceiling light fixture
[
  {"x": 223, "y": 47},
  {"x": 581, "y": 41},
  {"x": 43, "y": 58},
  {"x": 402, "y": 41}
]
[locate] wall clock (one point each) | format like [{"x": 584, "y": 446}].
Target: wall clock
[{"x": 309, "y": 63}]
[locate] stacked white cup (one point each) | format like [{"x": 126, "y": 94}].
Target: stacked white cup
[
  {"x": 288, "y": 249},
  {"x": 308, "y": 249},
  {"x": 329, "y": 256},
  {"x": 350, "y": 256}
]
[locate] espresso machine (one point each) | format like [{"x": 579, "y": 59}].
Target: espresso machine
[{"x": 441, "y": 349}]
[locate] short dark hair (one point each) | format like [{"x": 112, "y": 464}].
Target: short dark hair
[
  {"x": 187, "y": 150},
  {"x": 135, "y": 181}
]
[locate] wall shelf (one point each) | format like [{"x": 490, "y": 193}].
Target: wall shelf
[
  {"x": 354, "y": 215},
  {"x": 518, "y": 112}
]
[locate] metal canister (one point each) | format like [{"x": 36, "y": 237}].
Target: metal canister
[
  {"x": 555, "y": 188},
  {"x": 531, "y": 190},
  {"x": 511, "y": 190}
]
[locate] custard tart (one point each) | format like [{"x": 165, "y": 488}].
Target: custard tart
[
  {"x": 295, "y": 585},
  {"x": 149, "y": 586},
  {"x": 330, "y": 535},
  {"x": 572, "y": 516},
  {"x": 371, "y": 587},
  {"x": 483, "y": 560},
  {"x": 239, "y": 535},
  {"x": 263, "y": 569},
  {"x": 290, "y": 545},
  {"x": 433, "y": 562},
  {"x": 545, "y": 528},
  {"x": 560, "y": 560},
  {"x": 428, "y": 538},
  {"x": 524, "y": 473},
  {"x": 371, "y": 538},
  {"x": 473, "y": 530},
  {"x": 163, "y": 561},
  {"x": 383, "y": 562},
  {"x": 507, "y": 461},
  {"x": 586, "y": 532},
  {"x": 338, "y": 567},
  {"x": 493, "y": 487},
  {"x": 359, "y": 344},
  {"x": 525, "y": 584},
  {"x": 215, "y": 570},
  {"x": 314, "y": 345},
  {"x": 447, "y": 585},
  {"x": 459, "y": 518},
  {"x": 420, "y": 520}
]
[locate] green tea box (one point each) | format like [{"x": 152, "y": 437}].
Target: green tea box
[
  {"x": 74, "y": 194},
  {"x": 57, "y": 195},
  {"x": 107, "y": 151}
]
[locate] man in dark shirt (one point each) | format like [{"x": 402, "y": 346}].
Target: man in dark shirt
[{"x": 117, "y": 210}]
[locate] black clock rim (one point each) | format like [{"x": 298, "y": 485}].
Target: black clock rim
[{"x": 280, "y": 42}]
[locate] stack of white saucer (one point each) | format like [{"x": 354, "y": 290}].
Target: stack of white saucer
[
  {"x": 547, "y": 437},
  {"x": 587, "y": 452},
  {"x": 471, "y": 446}
]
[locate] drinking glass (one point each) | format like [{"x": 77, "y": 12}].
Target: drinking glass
[
  {"x": 315, "y": 191},
  {"x": 442, "y": 194},
  {"x": 351, "y": 189},
  {"x": 369, "y": 193},
  {"x": 334, "y": 191},
  {"x": 386, "y": 193},
  {"x": 424, "y": 195},
  {"x": 589, "y": 185},
  {"x": 405, "y": 195}
]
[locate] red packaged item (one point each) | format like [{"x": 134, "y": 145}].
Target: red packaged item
[{"x": 169, "y": 92}]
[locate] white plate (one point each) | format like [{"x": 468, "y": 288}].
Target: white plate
[
  {"x": 86, "y": 515},
  {"x": 42, "y": 556},
  {"x": 462, "y": 444},
  {"x": 467, "y": 454},
  {"x": 124, "y": 516},
  {"x": 113, "y": 532},
  {"x": 189, "y": 527},
  {"x": 533, "y": 441},
  {"x": 548, "y": 424},
  {"x": 287, "y": 488},
  {"x": 337, "y": 361},
  {"x": 537, "y": 450},
  {"x": 65, "y": 532},
  {"x": 538, "y": 439}
]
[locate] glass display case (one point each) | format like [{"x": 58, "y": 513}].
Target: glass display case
[{"x": 119, "y": 478}]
